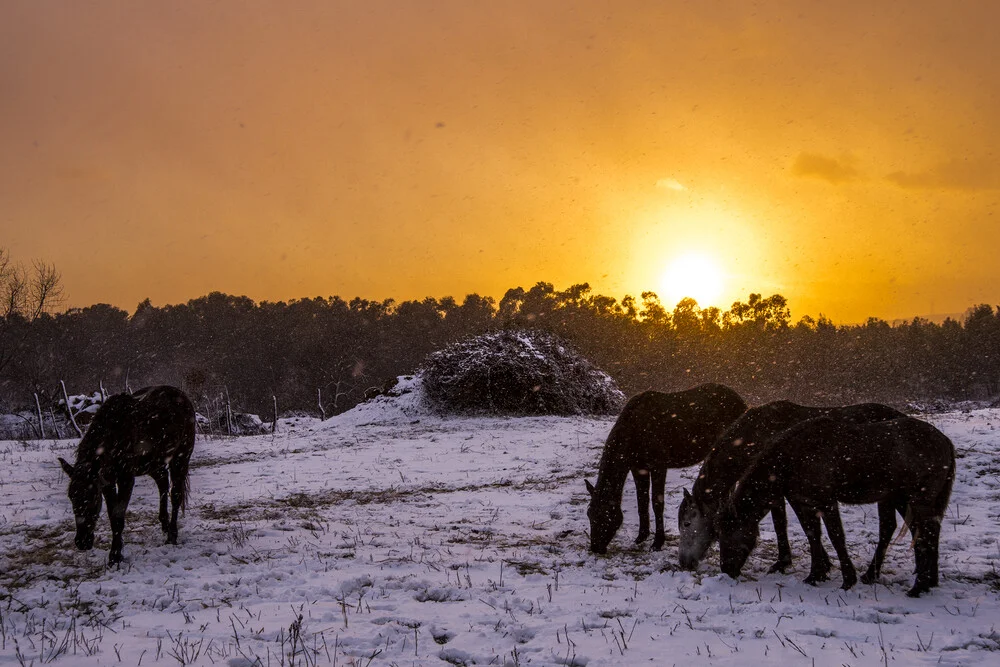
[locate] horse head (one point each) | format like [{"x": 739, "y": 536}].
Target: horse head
[
  {"x": 696, "y": 531},
  {"x": 605, "y": 519},
  {"x": 85, "y": 495},
  {"x": 737, "y": 538}
]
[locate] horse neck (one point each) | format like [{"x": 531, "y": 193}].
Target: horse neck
[
  {"x": 716, "y": 479},
  {"x": 758, "y": 490},
  {"x": 612, "y": 471},
  {"x": 92, "y": 455}
]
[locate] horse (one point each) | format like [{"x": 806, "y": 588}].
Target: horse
[
  {"x": 655, "y": 431},
  {"x": 732, "y": 454},
  {"x": 905, "y": 465},
  {"x": 145, "y": 433}
]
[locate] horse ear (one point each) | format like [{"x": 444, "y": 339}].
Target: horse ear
[
  {"x": 687, "y": 496},
  {"x": 66, "y": 466},
  {"x": 590, "y": 487}
]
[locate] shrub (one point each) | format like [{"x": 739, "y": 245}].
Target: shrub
[{"x": 524, "y": 372}]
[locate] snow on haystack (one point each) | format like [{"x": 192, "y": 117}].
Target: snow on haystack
[
  {"x": 525, "y": 372},
  {"x": 403, "y": 402}
]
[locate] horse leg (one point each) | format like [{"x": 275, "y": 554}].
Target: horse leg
[
  {"x": 927, "y": 533},
  {"x": 641, "y": 478},
  {"x": 658, "y": 480},
  {"x": 163, "y": 484},
  {"x": 886, "y": 527},
  {"x": 178, "y": 493},
  {"x": 819, "y": 570},
  {"x": 780, "y": 519},
  {"x": 835, "y": 529},
  {"x": 117, "y": 505}
]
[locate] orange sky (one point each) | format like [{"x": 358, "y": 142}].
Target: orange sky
[{"x": 844, "y": 156}]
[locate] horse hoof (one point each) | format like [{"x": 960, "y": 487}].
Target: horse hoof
[
  {"x": 848, "y": 585},
  {"x": 918, "y": 588},
  {"x": 641, "y": 538},
  {"x": 868, "y": 579},
  {"x": 780, "y": 566}
]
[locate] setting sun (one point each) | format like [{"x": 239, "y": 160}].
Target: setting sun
[{"x": 696, "y": 276}]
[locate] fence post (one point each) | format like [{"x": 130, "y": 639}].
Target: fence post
[
  {"x": 69, "y": 410},
  {"x": 41, "y": 424},
  {"x": 274, "y": 422}
]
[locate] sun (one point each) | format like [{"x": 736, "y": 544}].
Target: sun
[{"x": 692, "y": 275}]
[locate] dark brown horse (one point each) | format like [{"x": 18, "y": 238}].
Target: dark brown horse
[
  {"x": 732, "y": 455},
  {"x": 654, "y": 432},
  {"x": 905, "y": 465},
  {"x": 146, "y": 433}
]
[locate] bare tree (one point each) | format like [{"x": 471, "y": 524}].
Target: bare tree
[
  {"x": 24, "y": 296},
  {"x": 25, "y": 293}
]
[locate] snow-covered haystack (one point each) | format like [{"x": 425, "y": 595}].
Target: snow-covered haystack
[{"x": 524, "y": 372}]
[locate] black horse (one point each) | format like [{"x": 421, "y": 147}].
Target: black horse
[
  {"x": 905, "y": 465},
  {"x": 732, "y": 455},
  {"x": 146, "y": 433},
  {"x": 654, "y": 432}
]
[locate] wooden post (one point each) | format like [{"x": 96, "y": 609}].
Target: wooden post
[
  {"x": 55, "y": 424},
  {"x": 69, "y": 410},
  {"x": 41, "y": 424},
  {"x": 229, "y": 414},
  {"x": 274, "y": 422}
]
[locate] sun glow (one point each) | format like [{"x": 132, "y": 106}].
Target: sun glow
[{"x": 692, "y": 275}]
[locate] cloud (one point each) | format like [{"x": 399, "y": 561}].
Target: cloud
[
  {"x": 828, "y": 169},
  {"x": 670, "y": 184},
  {"x": 956, "y": 174}
]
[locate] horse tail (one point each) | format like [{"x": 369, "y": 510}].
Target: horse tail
[
  {"x": 939, "y": 507},
  {"x": 944, "y": 495},
  {"x": 907, "y": 518}
]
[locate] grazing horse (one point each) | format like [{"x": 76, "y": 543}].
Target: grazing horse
[
  {"x": 731, "y": 456},
  {"x": 145, "y": 433},
  {"x": 654, "y": 432},
  {"x": 905, "y": 465}
]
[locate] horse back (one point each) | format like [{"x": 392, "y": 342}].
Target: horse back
[
  {"x": 673, "y": 430},
  {"x": 164, "y": 426},
  {"x": 747, "y": 437},
  {"x": 139, "y": 433},
  {"x": 870, "y": 462}
]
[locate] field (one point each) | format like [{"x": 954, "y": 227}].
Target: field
[{"x": 386, "y": 536}]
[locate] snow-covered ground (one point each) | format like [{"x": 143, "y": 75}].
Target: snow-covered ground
[{"x": 385, "y": 536}]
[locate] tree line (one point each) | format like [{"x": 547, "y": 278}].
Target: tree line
[{"x": 320, "y": 355}]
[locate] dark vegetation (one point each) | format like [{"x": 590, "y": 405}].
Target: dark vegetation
[
  {"x": 222, "y": 348},
  {"x": 523, "y": 372}
]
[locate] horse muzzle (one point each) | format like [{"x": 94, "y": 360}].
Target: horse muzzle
[
  {"x": 688, "y": 563},
  {"x": 84, "y": 542}
]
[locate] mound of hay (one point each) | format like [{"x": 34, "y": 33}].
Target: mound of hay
[{"x": 517, "y": 373}]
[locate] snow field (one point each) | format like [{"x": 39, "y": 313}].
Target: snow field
[{"x": 387, "y": 537}]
